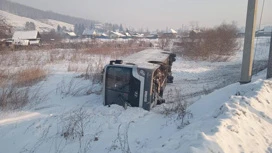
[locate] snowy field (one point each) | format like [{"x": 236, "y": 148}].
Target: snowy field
[{"x": 223, "y": 115}]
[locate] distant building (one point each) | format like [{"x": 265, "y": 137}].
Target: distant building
[
  {"x": 87, "y": 33},
  {"x": 26, "y": 38},
  {"x": 193, "y": 37},
  {"x": 169, "y": 34},
  {"x": 102, "y": 36},
  {"x": 116, "y": 34},
  {"x": 266, "y": 31},
  {"x": 152, "y": 36},
  {"x": 8, "y": 42},
  {"x": 70, "y": 35},
  {"x": 137, "y": 35},
  {"x": 241, "y": 32},
  {"x": 193, "y": 34}
]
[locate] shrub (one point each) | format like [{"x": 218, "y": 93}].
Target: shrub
[
  {"x": 72, "y": 87},
  {"x": 94, "y": 72},
  {"x": 30, "y": 76},
  {"x": 74, "y": 124},
  {"x": 51, "y": 37},
  {"x": 3, "y": 77},
  {"x": 177, "y": 106},
  {"x": 16, "y": 91},
  {"x": 214, "y": 44},
  {"x": 13, "y": 97},
  {"x": 163, "y": 43}
]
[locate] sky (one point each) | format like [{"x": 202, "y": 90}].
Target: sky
[{"x": 156, "y": 14}]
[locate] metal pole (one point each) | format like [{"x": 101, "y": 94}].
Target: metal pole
[
  {"x": 269, "y": 66},
  {"x": 248, "y": 54}
]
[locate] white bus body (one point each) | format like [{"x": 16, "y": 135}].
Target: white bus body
[{"x": 139, "y": 79}]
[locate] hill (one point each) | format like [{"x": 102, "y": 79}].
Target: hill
[
  {"x": 45, "y": 25},
  {"x": 36, "y": 14}
]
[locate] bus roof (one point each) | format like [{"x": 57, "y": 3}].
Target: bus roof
[{"x": 143, "y": 58}]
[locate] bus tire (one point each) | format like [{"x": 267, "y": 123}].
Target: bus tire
[
  {"x": 170, "y": 79},
  {"x": 160, "y": 101}
]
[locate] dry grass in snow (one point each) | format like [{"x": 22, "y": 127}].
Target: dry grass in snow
[{"x": 30, "y": 76}]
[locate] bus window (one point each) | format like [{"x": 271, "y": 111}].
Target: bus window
[
  {"x": 118, "y": 79},
  {"x": 121, "y": 87}
]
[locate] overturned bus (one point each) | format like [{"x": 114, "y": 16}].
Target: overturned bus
[{"x": 139, "y": 79}]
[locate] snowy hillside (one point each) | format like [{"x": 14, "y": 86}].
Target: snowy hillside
[
  {"x": 235, "y": 118},
  {"x": 18, "y": 22},
  {"x": 55, "y": 24}
]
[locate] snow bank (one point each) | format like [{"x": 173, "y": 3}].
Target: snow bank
[{"x": 237, "y": 118}]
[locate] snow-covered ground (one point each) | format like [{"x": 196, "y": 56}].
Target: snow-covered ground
[
  {"x": 235, "y": 118},
  {"x": 46, "y": 25},
  {"x": 195, "y": 78}
]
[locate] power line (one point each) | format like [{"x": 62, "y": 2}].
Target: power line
[{"x": 261, "y": 15}]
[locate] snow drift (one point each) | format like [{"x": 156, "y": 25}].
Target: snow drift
[{"x": 237, "y": 118}]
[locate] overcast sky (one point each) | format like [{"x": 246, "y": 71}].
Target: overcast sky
[{"x": 155, "y": 14}]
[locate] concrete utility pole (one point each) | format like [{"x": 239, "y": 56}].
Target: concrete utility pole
[
  {"x": 248, "y": 54},
  {"x": 269, "y": 66}
]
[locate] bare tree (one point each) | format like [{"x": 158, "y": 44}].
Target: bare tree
[
  {"x": 51, "y": 37},
  {"x": 164, "y": 43},
  {"x": 178, "y": 106},
  {"x": 214, "y": 44},
  {"x": 30, "y": 26},
  {"x": 5, "y": 28}
]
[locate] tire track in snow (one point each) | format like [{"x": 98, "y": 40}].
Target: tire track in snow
[{"x": 20, "y": 118}]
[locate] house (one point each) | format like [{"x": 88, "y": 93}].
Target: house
[
  {"x": 152, "y": 36},
  {"x": 70, "y": 35},
  {"x": 137, "y": 35},
  {"x": 128, "y": 35},
  {"x": 116, "y": 34},
  {"x": 87, "y": 33},
  {"x": 26, "y": 38},
  {"x": 103, "y": 36},
  {"x": 5, "y": 42},
  {"x": 169, "y": 34},
  {"x": 193, "y": 34},
  {"x": 193, "y": 37},
  {"x": 241, "y": 32},
  {"x": 266, "y": 31}
]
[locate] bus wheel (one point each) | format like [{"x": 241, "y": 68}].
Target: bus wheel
[
  {"x": 161, "y": 92},
  {"x": 160, "y": 101},
  {"x": 170, "y": 79}
]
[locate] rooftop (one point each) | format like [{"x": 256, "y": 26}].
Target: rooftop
[{"x": 25, "y": 35}]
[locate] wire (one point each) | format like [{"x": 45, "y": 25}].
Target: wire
[
  {"x": 261, "y": 15},
  {"x": 257, "y": 40}
]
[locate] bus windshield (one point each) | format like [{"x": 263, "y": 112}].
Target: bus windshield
[{"x": 118, "y": 79}]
